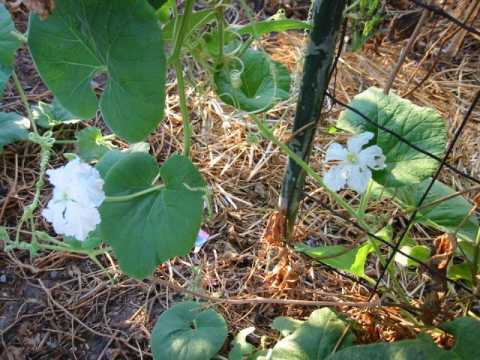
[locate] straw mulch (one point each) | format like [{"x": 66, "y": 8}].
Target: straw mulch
[{"x": 62, "y": 306}]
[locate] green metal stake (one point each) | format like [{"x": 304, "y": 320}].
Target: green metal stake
[{"x": 327, "y": 16}]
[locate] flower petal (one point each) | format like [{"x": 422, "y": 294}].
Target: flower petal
[
  {"x": 53, "y": 213},
  {"x": 335, "y": 178},
  {"x": 358, "y": 178},
  {"x": 355, "y": 143},
  {"x": 336, "y": 152},
  {"x": 80, "y": 220},
  {"x": 372, "y": 157}
]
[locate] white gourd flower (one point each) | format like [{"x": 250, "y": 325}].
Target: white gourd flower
[
  {"x": 353, "y": 164},
  {"x": 77, "y": 194}
]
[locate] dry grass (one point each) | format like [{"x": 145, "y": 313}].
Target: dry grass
[{"x": 61, "y": 306}]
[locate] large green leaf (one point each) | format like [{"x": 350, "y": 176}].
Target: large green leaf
[
  {"x": 13, "y": 127},
  {"x": 8, "y": 46},
  {"x": 50, "y": 115},
  {"x": 187, "y": 331},
  {"x": 465, "y": 330},
  {"x": 122, "y": 38},
  {"x": 422, "y": 348},
  {"x": 315, "y": 339},
  {"x": 341, "y": 257},
  {"x": 263, "y": 82},
  {"x": 420, "y": 126},
  {"x": 156, "y": 226},
  {"x": 446, "y": 216}
]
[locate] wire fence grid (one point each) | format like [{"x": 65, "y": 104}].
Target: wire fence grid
[{"x": 400, "y": 235}]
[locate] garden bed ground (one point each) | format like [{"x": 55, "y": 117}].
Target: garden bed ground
[{"x": 62, "y": 306}]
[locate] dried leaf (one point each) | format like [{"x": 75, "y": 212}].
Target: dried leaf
[
  {"x": 476, "y": 200},
  {"x": 41, "y": 7},
  {"x": 274, "y": 233},
  {"x": 284, "y": 275},
  {"x": 445, "y": 246}
]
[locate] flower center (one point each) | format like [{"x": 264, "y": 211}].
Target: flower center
[{"x": 353, "y": 158}]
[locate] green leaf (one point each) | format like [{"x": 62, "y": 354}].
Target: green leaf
[
  {"x": 271, "y": 25},
  {"x": 50, "y": 115},
  {"x": 83, "y": 38},
  {"x": 157, "y": 226},
  {"x": 285, "y": 325},
  {"x": 241, "y": 347},
  {"x": 341, "y": 257},
  {"x": 315, "y": 339},
  {"x": 465, "y": 330},
  {"x": 462, "y": 271},
  {"x": 445, "y": 216},
  {"x": 421, "y": 348},
  {"x": 91, "y": 144},
  {"x": 419, "y": 252},
  {"x": 263, "y": 82},
  {"x": 157, "y": 3},
  {"x": 8, "y": 47},
  {"x": 108, "y": 160},
  {"x": 187, "y": 331},
  {"x": 420, "y": 126},
  {"x": 13, "y": 127}
]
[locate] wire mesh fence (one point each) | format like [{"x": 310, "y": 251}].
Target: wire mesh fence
[{"x": 399, "y": 236}]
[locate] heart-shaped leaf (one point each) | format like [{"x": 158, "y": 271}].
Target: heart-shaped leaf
[
  {"x": 83, "y": 38},
  {"x": 446, "y": 216},
  {"x": 340, "y": 257},
  {"x": 158, "y": 225},
  {"x": 465, "y": 330},
  {"x": 13, "y": 127},
  {"x": 91, "y": 144},
  {"x": 50, "y": 115},
  {"x": 261, "y": 83},
  {"x": 420, "y": 126},
  {"x": 187, "y": 331},
  {"x": 8, "y": 46},
  {"x": 315, "y": 339}
]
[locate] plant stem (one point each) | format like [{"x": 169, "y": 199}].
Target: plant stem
[
  {"x": 24, "y": 100},
  {"x": 364, "y": 199},
  {"x": 129, "y": 197},
  {"x": 221, "y": 29},
  {"x": 320, "y": 53},
  {"x": 182, "y": 30},
  {"x": 65, "y": 142},
  {"x": 18, "y": 35},
  {"x": 187, "y": 126},
  {"x": 45, "y": 143},
  {"x": 476, "y": 255}
]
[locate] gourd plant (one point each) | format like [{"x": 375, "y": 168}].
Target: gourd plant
[
  {"x": 186, "y": 331},
  {"x": 160, "y": 207},
  {"x": 120, "y": 47}
]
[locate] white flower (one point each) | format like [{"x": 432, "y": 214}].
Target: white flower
[
  {"x": 77, "y": 193},
  {"x": 352, "y": 168}
]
